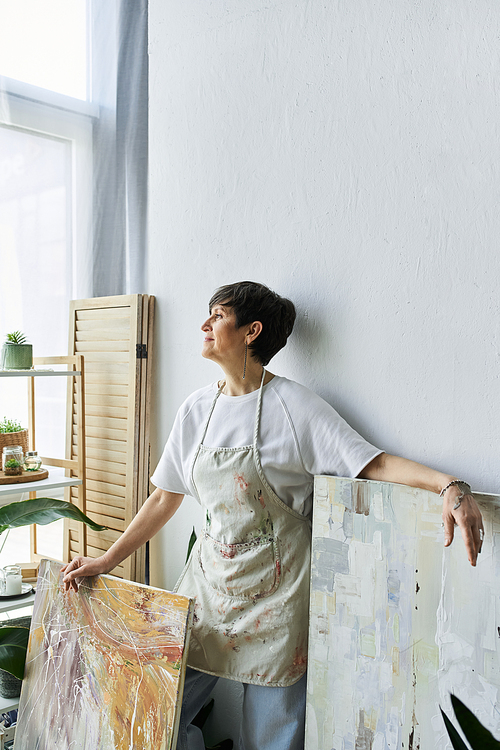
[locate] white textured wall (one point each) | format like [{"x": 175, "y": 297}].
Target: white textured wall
[{"x": 348, "y": 155}]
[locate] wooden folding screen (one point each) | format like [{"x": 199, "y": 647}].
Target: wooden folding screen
[{"x": 114, "y": 335}]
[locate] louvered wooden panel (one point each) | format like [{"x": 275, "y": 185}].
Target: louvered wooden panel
[
  {"x": 148, "y": 306},
  {"x": 107, "y": 332}
]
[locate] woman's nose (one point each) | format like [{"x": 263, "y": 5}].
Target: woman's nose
[{"x": 206, "y": 325}]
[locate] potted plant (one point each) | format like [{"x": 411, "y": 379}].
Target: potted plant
[
  {"x": 13, "y": 468},
  {"x": 11, "y": 433},
  {"x": 14, "y": 639},
  {"x": 16, "y": 353}
]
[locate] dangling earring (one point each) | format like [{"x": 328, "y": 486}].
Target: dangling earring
[{"x": 245, "y": 362}]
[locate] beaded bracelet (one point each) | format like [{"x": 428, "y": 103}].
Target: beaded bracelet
[{"x": 460, "y": 484}]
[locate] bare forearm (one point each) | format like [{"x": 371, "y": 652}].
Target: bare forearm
[
  {"x": 154, "y": 514},
  {"x": 459, "y": 506},
  {"x": 156, "y": 511},
  {"x": 387, "y": 468}
]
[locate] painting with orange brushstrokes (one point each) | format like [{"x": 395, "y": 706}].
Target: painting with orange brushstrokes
[{"x": 105, "y": 667}]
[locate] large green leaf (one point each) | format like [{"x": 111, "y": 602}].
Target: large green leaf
[
  {"x": 192, "y": 540},
  {"x": 478, "y": 736},
  {"x": 13, "y": 646},
  {"x": 456, "y": 740},
  {"x": 42, "y": 510}
]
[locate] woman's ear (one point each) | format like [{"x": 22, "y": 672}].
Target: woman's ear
[{"x": 254, "y": 330}]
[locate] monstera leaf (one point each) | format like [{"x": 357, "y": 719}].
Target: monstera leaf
[
  {"x": 477, "y": 735},
  {"x": 42, "y": 510},
  {"x": 13, "y": 646}
]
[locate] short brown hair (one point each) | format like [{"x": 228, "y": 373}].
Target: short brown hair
[{"x": 250, "y": 302}]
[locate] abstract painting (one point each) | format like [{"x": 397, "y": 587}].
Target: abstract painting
[
  {"x": 105, "y": 667},
  {"x": 397, "y": 621}
]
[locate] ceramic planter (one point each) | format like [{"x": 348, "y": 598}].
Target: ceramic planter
[{"x": 17, "y": 357}]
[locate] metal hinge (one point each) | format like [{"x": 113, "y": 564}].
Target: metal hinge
[{"x": 142, "y": 351}]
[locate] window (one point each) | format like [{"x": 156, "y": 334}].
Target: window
[
  {"x": 46, "y": 158},
  {"x": 73, "y": 173},
  {"x": 45, "y": 44}
]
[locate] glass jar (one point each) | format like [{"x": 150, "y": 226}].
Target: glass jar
[
  {"x": 12, "y": 460},
  {"x": 32, "y": 461}
]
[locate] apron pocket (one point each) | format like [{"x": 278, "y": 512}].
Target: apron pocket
[{"x": 249, "y": 570}]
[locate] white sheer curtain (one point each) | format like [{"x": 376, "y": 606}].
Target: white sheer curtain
[
  {"x": 120, "y": 85},
  {"x": 73, "y": 182},
  {"x": 73, "y": 192}
]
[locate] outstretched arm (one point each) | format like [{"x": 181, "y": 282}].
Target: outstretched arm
[
  {"x": 387, "y": 468},
  {"x": 156, "y": 511}
]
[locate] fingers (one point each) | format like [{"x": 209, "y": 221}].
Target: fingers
[
  {"x": 473, "y": 535},
  {"x": 468, "y": 537},
  {"x": 466, "y": 514},
  {"x": 478, "y": 534},
  {"x": 82, "y": 567},
  {"x": 73, "y": 570},
  {"x": 449, "y": 528}
]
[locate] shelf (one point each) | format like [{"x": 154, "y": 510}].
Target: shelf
[
  {"x": 8, "y": 704},
  {"x": 51, "y": 483},
  {"x": 38, "y": 373},
  {"x": 9, "y": 605},
  {"x": 74, "y": 464}
]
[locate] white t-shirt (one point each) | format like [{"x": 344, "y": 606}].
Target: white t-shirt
[{"x": 300, "y": 435}]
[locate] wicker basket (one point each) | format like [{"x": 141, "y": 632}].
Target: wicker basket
[
  {"x": 14, "y": 438},
  {"x": 10, "y": 686}
]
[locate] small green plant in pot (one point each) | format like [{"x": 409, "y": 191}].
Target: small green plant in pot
[
  {"x": 40, "y": 510},
  {"x": 11, "y": 433},
  {"x": 7, "y": 426},
  {"x": 17, "y": 354},
  {"x": 13, "y": 468}
]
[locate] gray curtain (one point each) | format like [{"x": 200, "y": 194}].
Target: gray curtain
[{"x": 120, "y": 87}]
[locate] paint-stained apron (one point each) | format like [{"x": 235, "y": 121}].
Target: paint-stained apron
[{"x": 248, "y": 570}]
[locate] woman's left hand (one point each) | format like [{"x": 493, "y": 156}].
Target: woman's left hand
[
  {"x": 467, "y": 517},
  {"x": 387, "y": 468}
]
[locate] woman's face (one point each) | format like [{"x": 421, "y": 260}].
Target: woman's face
[{"x": 223, "y": 341}]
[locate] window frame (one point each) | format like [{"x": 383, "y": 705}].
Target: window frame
[{"x": 47, "y": 113}]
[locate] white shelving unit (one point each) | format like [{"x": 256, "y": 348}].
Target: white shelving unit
[
  {"x": 8, "y": 704},
  {"x": 38, "y": 373},
  {"x": 43, "y": 485},
  {"x": 54, "y": 481},
  {"x": 7, "y": 605}
]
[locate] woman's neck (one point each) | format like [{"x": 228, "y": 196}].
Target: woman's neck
[{"x": 236, "y": 385}]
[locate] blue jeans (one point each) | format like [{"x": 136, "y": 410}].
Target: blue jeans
[{"x": 273, "y": 717}]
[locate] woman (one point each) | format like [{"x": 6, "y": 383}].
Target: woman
[{"x": 248, "y": 449}]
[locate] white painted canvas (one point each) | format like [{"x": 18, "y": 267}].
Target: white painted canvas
[{"x": 397, "y": 621}]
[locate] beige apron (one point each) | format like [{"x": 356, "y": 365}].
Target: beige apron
[{"x": 249, "y": 571}]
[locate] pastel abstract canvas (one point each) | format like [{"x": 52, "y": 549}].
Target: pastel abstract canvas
[
  {"x": 105, "y": 667},
  {"x": 398, "y": 622}
]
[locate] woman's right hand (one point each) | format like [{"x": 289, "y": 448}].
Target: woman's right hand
[{"x": 83, "y": 567}]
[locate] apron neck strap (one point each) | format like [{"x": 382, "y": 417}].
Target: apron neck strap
[
  {"x": 258, "y": 410},
  {"x": 211, "y": 412}
]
